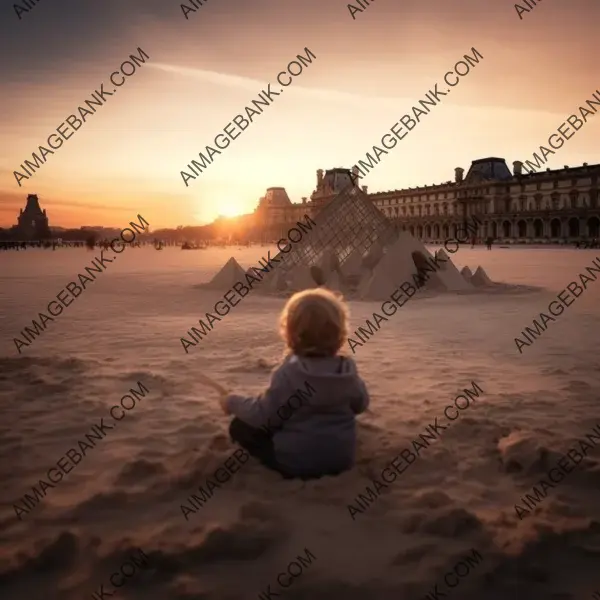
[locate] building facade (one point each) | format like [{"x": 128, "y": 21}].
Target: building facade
[
  {"x": 32, "y": 222},
  {"x": 275, "y": 212},
  {"x": 550, "y": 206}
]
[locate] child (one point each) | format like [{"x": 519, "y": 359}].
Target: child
[{"x": 303, "y": 425}]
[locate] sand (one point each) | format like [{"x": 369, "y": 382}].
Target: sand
[{"x": 460, "y": 494}]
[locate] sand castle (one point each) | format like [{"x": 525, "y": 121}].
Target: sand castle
[
  {"x": 355, "y": 250},
  {"x": 466, "y": 273},
  {"x": 480, "y": 278},
  {"x": 229, "y": 274}
]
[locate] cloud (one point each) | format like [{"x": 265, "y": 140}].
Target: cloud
[{"x": 255, "y": 85}]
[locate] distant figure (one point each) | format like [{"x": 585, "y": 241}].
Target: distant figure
[
  {"x": 90, "y": 242},
  {"x": 489, "y": 241},
  {"x": 304, "y": 424},
  {"x": 473, "y": 241}
]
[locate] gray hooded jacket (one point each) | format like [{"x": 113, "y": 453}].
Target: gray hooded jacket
[{"x": 310, "y": 408}]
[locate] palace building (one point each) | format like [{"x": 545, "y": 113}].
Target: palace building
[
  {"x": 32, "y": 222},
  {"x": 275, "y": 211},
  {"x": 548, "y": 206}
]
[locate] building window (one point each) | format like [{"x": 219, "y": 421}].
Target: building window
[{"x": 573, "y": 199}]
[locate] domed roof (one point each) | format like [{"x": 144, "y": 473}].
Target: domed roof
[
  {"x": 488, "y": 169},
  {"x": 277, "y": 196},
  {"x": 337, "y": 179}
]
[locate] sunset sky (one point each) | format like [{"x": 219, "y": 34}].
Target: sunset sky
[{"x": 126, "y": 160}]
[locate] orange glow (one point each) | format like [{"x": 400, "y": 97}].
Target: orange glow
[{"x": 127, "y": 157}]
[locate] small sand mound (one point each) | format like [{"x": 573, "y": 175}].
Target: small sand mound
[
  {"x": 273, "y": 282},
  {"x": 442, "y": 256},
  {"x": 480, "y": 278},
  {"x": 302, "y": 278},
  {"x": 231, "y": 273},
  {"x": 451, "y": 523},
  {"x": 432, "y": 499},
  {"x": 139, "y": 470},
  {"x": 352, "y": 265},
  {"x": 466, "y": 273},
  {"x": 521, "y": 452},
  {"x": 252, "y": 273}
]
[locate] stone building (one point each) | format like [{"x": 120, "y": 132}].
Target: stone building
[
  {"x": 276, "y": 212},
  {"x": 32, "y": 222},
  {"x": 552, "y": 205},
  {"x": 275, "y": 207},
  {"x": 330, "y": 185}
]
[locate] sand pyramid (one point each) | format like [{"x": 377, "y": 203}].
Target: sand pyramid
[
  {"x": 480, "y": 278},
  {"x": 270, "y": 283},
  {"x": 281, "y": 282},
  {"x": 373, "y": 256},
  {"x": 334, "y": 282},
  {"x": 301, "y": 279},
  {"x": 466, "y": 273},
  {"x": 402, "y": 262},
  {"x": 450, "y": 275},
  {"x": 353, "y": 264},
  {"x": 318, "y": 275},
  {"x": 229, "y": 274},
  {"x": 251, "y": 272},
  {"x": 329, "y": 262},
  {"x": 261, "y": 279},
  {"x": 394, "y": 268}
]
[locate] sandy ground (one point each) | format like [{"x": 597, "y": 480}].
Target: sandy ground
[{"x": 459, "y": 495}]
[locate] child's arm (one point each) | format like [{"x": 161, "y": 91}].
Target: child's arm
[
  {"x": 223, "y": 392},
  {"x": 361, "y": 401},
  {"x": 255, "y": 411}
]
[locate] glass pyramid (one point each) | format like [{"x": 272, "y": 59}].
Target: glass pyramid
[{"x": 349, "y": 223}]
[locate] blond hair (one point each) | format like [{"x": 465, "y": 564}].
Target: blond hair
[{"x": 314, "y": 323}]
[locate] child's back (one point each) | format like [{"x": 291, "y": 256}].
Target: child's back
[{"x": 308, "y": 411}]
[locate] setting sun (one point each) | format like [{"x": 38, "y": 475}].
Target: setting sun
[
  {"x": 230, "y": 208},
  {"x": 221, "y": 208}
]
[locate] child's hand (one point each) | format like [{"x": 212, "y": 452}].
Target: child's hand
[{"x": 223, "y": 392}]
